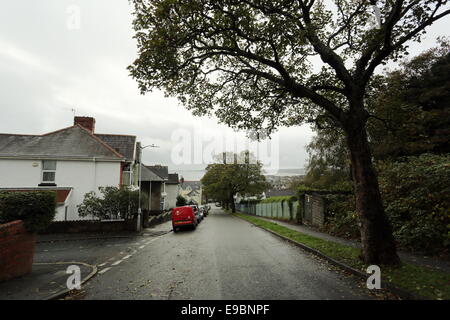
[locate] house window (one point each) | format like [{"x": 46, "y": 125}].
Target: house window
[
  {"x": 127, "y": 175},
  {"x": 48, "y": 171}
]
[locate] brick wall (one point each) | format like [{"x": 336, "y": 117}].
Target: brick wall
[{"x": 16, "y": 250}]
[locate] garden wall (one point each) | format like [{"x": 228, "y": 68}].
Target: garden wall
[
  {"x": 90, "y": 226},
  {"x": 16, "y": 250},
  {"x": 86, "y": 226}
]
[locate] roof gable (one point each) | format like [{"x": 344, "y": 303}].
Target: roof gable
[
  {"x": 161, "y": 171},
  {"x": 149, "y": 175},
  {"x": 123, "y": 144}
]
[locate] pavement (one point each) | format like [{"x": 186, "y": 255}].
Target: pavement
[
  {"x": 86, "y": 250},
  {"x": 416, "y": 259},
  {"x": 44, "y": 282}
]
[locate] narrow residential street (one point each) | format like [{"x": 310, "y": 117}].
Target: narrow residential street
[{"x": 225, "y": 258}]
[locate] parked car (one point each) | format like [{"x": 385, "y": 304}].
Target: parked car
[
  {"x": 197, "y": 212},
  {"x": 183, "y": 217},
  {"x": 204, "y": 210}
]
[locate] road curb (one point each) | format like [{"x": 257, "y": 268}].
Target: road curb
[
  {"x": 64, "y": 292},
  {"x": 387, "y": 285}
]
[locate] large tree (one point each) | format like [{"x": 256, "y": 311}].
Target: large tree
[
  {"x": 241, "y": 174},
  {"x": 253, "y": 63}
]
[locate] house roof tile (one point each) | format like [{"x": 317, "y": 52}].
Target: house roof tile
[{"x": 74, "y": 142}]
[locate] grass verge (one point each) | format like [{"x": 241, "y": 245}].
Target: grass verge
[{"x": 419, "y": 280}]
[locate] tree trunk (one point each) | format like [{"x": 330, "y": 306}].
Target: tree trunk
[
  {"x": 376, "y": 233},
  {"x": 232, "y": 205}
]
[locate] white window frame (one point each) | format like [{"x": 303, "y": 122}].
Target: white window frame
[{"x": 48, "y": 170}]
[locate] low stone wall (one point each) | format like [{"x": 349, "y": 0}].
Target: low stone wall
[
  {"x": 16, "y": 250},
  {"x": 87, "y": 226}
]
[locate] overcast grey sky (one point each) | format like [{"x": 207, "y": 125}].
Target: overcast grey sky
[{"x": 47, "y": 69}]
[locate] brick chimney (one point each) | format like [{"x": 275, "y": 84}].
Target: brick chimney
[{"x": 86, "y": 122}]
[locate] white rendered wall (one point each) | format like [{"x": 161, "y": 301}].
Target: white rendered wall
[
  {"x": 82, "y": 176},
  {"x": 171, "y": 197}
]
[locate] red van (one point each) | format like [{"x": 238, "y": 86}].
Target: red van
[{"x": 183, "y": 217}]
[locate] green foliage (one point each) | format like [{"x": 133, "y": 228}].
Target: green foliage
[
  {"x": 410, "y": 110},
  {"x": 341, "y": 218},
  {"x": 412, "y": 106},
  {"x": 181, "y": 201},
  {"x": 36, "y": 209},
  {"x": 416, "y": 193},
  {"x": 279, "y": 199},
  {"x": 411, "y": 115},
  {"x": 250, "y": 62},
  {"x": 222, "y": 181},
  {"x": 328, "y": 165},
  {"x": 114, "y": 203}
]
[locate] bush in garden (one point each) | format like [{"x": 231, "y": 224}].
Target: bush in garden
[
  {"x": 114, "y": 203},
  {"x": 36, "y": 209}
]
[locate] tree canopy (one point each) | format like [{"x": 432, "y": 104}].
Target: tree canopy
[
  {"x": 251, "y": 62},
  {"x": 410, "y": 116},
  {"x": 222, "y": 181}
]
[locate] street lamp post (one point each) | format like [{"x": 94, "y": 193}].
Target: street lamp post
[{"x": 138, "y": 226}]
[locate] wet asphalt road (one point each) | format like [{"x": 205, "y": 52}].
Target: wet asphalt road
[{"x": 225, "y": 258}]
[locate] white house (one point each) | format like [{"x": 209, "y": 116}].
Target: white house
[
  {"x": 70, "y": 161},
  {"x": 172, "y": 189}
]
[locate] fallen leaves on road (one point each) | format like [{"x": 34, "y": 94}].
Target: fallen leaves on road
[{"x": 75, "y": 295}]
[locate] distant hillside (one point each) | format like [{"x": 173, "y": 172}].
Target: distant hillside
[{"x": 197, "y": 174}]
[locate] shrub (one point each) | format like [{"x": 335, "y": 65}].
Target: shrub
[
  {"x": 115, "y": 203},
  {"x": 416, "y": 195},
  {"x": 341, "y": 218},
  {"x": 279, "y": 199},
  {"x": 36, "y": 208}
]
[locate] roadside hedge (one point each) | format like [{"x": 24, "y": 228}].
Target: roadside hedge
[
  {"x": 279, "y": 199},
  {"x": 36, "y": 209},
  {"x": 416, "y": 197}
]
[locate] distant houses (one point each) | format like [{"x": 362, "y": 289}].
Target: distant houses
[
  {"x": 191, "y": 191},
  {"x": 167, "y": 187},
  {"x": 76, "y": 160}
]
